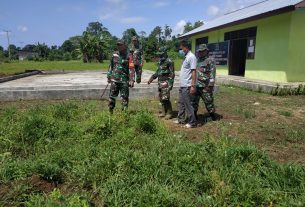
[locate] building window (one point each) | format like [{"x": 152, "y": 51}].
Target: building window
[
  {"x": 203, "y": 40},
  {"x": 242, "y": 37},
  {"x": 241, "y": 34},
  {"x": 251, "y": 48}
]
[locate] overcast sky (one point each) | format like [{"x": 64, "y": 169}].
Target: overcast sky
[{"x": 53, "y": 21}]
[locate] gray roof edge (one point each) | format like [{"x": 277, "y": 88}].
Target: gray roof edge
[{"x": 239, "y": 21}]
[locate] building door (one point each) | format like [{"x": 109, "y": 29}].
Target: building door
[
  {"x": 237, "y": 58},
  {"x": 240, "y": 49}
]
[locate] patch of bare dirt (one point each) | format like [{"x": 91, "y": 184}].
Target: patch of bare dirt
[{"x": 42, "y": 185}]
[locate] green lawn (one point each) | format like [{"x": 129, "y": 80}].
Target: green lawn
[
  {"x": 72, "y": 153},
  {"x": 18, "y": 67}
]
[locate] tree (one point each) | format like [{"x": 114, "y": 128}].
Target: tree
[
  {"x": 67, "y": 46},
  {"x": 96, "y": 28},
  {"x": 13, "y": 49},
  {"x": 42, "y": 50},
  {"x": 152, "y": 43},
  {"x": 128, "y": 34},
  {"x": 167, "y": 32},
  {"x": 75, "y": 40},
  {"x": 197, "y": 24},
  {"x": 189, "y": 26},
  {"x": 95, "y": 43},
  {"x": 29, "y": 48}
]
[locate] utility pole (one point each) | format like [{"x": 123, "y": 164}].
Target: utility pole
[{"x": 8, "y": 42}]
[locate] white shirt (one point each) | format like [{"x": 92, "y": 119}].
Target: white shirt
[{"x": 189, "y": 64}]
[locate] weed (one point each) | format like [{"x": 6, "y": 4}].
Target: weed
[
  {"x": 295, "y": 135},
  {"x": 285, "y": 113},
  {"x": 246, "y": 113}
]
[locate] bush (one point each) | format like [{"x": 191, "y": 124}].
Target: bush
[
  {"x": 145, "y": 122},
  {"x": 67, "y": 56}
]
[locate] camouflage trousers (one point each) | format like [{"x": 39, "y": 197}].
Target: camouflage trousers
[
  {"x": 164, "y": 91},
  {"x": 115, "y": 90},
  {"x": 138, "y": 70},
  {"x": 207, "y": 98}
]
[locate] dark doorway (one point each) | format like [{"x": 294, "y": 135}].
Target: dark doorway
[
  {"x": 238, "y": 49},
  {"x": 238, "y": 55}
]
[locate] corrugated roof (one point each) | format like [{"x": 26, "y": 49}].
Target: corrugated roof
[{"x": 247, "y": 12}]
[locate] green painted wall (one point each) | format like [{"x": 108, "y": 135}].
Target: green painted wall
[
  {"x": 280, "y": 48},
  {"x": 296, "y": 63}
]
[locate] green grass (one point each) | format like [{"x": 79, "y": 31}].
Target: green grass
[
  {"x": 153, "y": 65},
  {"x": 286, "y": 113},
  {"x": 18, "y": 67},
  {"x": 246, "y": 112},
  {"x": 131, "y": 159}
]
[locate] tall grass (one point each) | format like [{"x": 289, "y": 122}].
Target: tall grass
[{"x": 130, "y": 159}]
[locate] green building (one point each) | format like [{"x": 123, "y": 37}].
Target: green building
[{"x": 265, "y": 41}]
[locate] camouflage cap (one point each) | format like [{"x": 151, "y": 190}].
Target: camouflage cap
[
  {"x": 120, "y": 42},
  {"x": 162, "y": 50},
  {"x": 134, "y": 38},
  {"x": 202, "y": 47}
]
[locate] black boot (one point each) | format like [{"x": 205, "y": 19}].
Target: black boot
[
  {"x": 169, "y": 110},
  {"x": 110, "y": 111},
  {"x": 196, "y": 115},
  {"x": 163, "y": 113},
  {"x": 213, "y": 116}
]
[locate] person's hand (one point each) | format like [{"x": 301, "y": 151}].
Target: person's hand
[
  {"x": 108, "y": 80},
  {"x": 150, "y": 80},
  {"x": 193, "y": 90},
  {"x": 210, "y": 89},
  {"x": 131, "y": 84}
]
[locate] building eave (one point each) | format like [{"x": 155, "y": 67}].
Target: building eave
[{"x": 246, "y": 20}]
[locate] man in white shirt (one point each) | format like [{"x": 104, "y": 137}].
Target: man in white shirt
[{"x": 187, "y": 86}]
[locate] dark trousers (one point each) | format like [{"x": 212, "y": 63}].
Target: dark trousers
[
  {"x": 186, "y": 109},
  {"x": 115, "y": 90},
  {"x": 206, "y": 96},
  {"x": 138, "y": 70}
]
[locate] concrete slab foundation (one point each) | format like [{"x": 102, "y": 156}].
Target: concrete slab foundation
[
  {"x": 73, "y": 85},
  {"x": 91, "y": 84}
]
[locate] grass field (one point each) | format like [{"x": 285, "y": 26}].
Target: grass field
[
  {"x": 19, "y": 67},
  {"x": 71, "y": 153}
]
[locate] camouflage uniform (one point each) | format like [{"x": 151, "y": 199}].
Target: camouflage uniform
[
  {"x": 120, "y": 77},
  {"x": 138, "y": 58},
  {"x": 206, "y": 73},
  {"x": 166, "y": 75}
]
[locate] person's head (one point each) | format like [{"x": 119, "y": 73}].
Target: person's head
[
  {"x": 202, "y": 51},
  {"x": 135, "y": 40},
  {"x": 185, "y": 46},
  {"x": 162, "y": 53},
  {"x": 120, "y": 46}
]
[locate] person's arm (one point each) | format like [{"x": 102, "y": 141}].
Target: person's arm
[
  {"x": 142, "y": 57},
  {"x": 194, "y": 74},
  {"x": 172, "y": 74},
  {"x": 109, "y": 74},
  {"x": 154, "y": 76},
  {"x": 131, "y": 71},
  {"x": 212, "y": 76}
]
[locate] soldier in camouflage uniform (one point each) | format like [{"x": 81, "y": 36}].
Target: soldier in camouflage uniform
[
  {"x": 138, "y": 59},
  {"x": 166, "y": 75},
  {"x": 120, "y": 77},
  {"x": 206, "y": 73}
]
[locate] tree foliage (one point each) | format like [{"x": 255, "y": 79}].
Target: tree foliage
[{"x": 97, "y": 44}]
